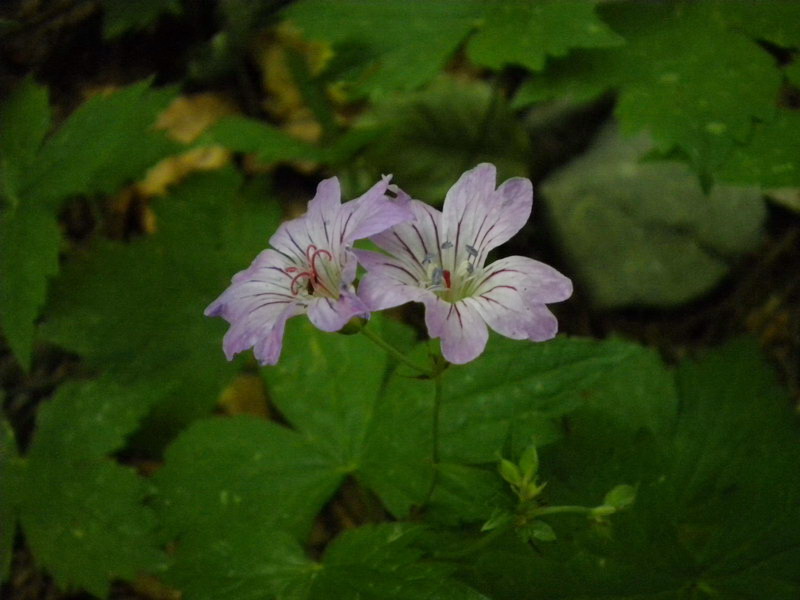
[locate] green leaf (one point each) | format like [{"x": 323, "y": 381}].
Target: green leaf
[
  {"x": 538, "y": 530},
  {"x": 688, "y": 75},
  {"x": 380, "y": 562},
  {"x": 510, "y": 472},
  {"x": 777, "y": 21},
  {"x": 465, "y": 494},
  {"x": 453, "y": 125},
  {"x": 652, "y": 221},
  {"x": 771, "y": 158},
  {"x": 620, "y": 496},
  {"x": 83, "y": 515},
  {"x": 108, "y": 141},
  {"x": 122, "y": 16},
  {"x": 327, "y": 386},
  {"x": 377, "y": 562},
  {"x": 513, "y": 392},
  {"x": 24, "y": 121},
  {"x": 29, "y": 236},
  {"x": 135, "y": 310},
  {"x": 249, "y": 561},
  {"x": 397, "y": 49},
  {"x": 8, "y": 455},
  {"x": 222, "y": 473},
  {"x": 268, "y": 143},
  {"x": 29, "y": 245},
  {"x": 529, "y": 462},
  {"x": 716, "y": 511},
  {"x": 524, "y": 33}
]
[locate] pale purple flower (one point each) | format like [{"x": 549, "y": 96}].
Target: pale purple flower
[
  {"x": 439, "y": 259},
  {"x": 309, "y": 269}
]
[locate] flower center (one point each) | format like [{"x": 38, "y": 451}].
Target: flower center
[
  {"x": 459, "y": 279},
  {"x": 316, "y": 278}
]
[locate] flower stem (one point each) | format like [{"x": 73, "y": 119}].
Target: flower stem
[
  {"x": 437, "y": 404},
  {"x": 394, "y": 352},
  {"x": 552, "y": 510}
]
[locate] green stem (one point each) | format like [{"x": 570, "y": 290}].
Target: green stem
[
  {"x": 437, "y": 404},
  {"x": 394, "y": 352},
  {"x": 553, "y": 510}
]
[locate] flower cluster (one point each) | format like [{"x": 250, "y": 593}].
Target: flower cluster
[{"x": 436, "y": 258}]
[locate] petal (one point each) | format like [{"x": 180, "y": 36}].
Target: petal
[
  {"x": 255, "y": 328},
  {"x": 410, "y": 242},
  {"x": 313, "y": 228},
  {"x": 328, "y": 314},
  {"x": 328, "y": 199},
  {"x": 268, "y": 349},
  {"x": 378, "y": 292},
  {"x": 460, "y": 326},
  {"x": 543, "y": 324},
  {"x": 265, "y": 279},
  {"x": 390, "y": 267},
  {"x": 536, "y": 282},
  {"x": 477, "y": 215},
  {"x": 372, "y": 213},
  {"x": 509, "y": 316}
]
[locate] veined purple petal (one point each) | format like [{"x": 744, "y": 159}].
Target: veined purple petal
[
  {"x": 379, "y": 292},
  {"x": 267, "y": 348},
  {"x": 328, "y": 314},
  {"x": 535, "y": 281},
  {"x": 460, "y": 327},
  {"x": 248, "y": 329},
  {"x": 372, "y": 213},
  {"x": 328, "y": 198},
  {"x": 415, "y": 242},
  {"x": 477, "y": 215},
  {"x": 310, "y": 269}
]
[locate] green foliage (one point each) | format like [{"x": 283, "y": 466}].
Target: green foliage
[
  {"x": 770, "y": 156},
  {"x": 108, "y": 141},
  {"x": 29, "y": 237},
  {"x": 453, "y": 125},
  {"x": 102, "y": 145},
  {"x": 221, "y": 472},
  {"x": 135, "y": 310},
  {"x": 268, "y": 143},
  {"x": 375, "y": 562},
  {"x": 688, "y": 73},
  {"x": 397, "y": 48},
  {"x": 505, "y": 398},
  {"x": 716, "y": 509},
  {"x": 400, "y": 49},
  {"x": 652, "y": 222},
  {"x": 8, "y": 454},
  {"x": 123, "y": 16},
  {"x": 83, "y": 515},
  {"x": 525, "y": 33}
]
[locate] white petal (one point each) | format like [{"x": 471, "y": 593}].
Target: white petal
[
  {"x": 379, "y": 292},
  {"x": 412, "y": 241},
  {"x": 460, "y": 327},
  {"x": 477, "y": 215},
  {"x": 328, "y": 314},
  {"x": 536, "y": 282}
]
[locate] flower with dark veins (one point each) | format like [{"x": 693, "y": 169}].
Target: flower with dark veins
[
  {"x": 309, "y": 269},
  {"x": 439, "y": 258}
]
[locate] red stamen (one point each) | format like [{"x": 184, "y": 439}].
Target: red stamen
[
  {"x": 312, "y": 274},
  {"x": 446, "y": 275},
  {"x": 294, "y": 285}
]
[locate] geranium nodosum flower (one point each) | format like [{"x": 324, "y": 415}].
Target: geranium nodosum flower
[
  {"x": 309, "y": 269},
  {"x": 438, "y": 259}
]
